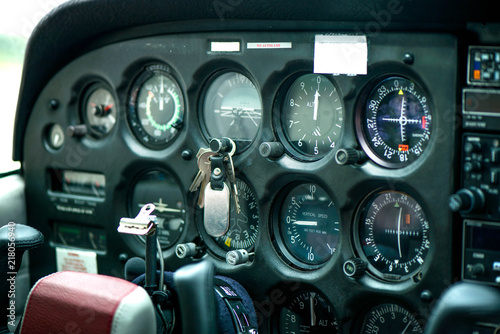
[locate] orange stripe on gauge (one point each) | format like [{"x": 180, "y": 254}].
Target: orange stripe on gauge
[
  {"x": 407, "y": 219},
  {"x": 403, "y": 148}
]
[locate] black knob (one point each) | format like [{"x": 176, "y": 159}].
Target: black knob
[
  {"x": 349, "y": 156},
  {"x": 472, "y": 166},
  {"x": 467, "y": 200},
  {"x": 271, "y": 150},
  {"x": 472, "y": 147},
  {"x": 222, "y": 145},
  {"x": 475, "y": 270},
  {"x": 354, "y": 268},
  {"x": 77, "y": 130}
]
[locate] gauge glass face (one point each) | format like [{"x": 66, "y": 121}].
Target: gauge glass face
[
  {"x": 156, "y": 107},
  {"x": 390, "y": 319},
  {"x": 307, "y": 312},
  {"x": 243, "y": 226},
  {"x": 393, "y": 235},
  {"x": 396, "y": 122},
  {"x": 232, "y": 108},
  {"x": 308, "y": 226},
  {"x": 100, "y": 110},
  {"x": 162, "y": 190},
  {"x": 312, "y": 116}
]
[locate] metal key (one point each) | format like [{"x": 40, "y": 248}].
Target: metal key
[
  {"x": 232, "y": 177},
  {"x": 204, "y": 165},
  {"x": 200, "y": 175}
]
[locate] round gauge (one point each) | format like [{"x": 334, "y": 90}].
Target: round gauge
[
  {"x": 312, "y": 117},
  {"x": 308, "y": 225},
  {"x": 394, "y": 124},
  {"x": 393, "y": 235},
  {"x": 243, "y": 226},
  {"x": 307, "y": 312},
  {"x": 232, "y": 108},
  {"x": 156, "y": 107},
  {"x": 162, "y": 190},
  {"x": 99, "y": 110},
  {"x": 390, "y": 319}
]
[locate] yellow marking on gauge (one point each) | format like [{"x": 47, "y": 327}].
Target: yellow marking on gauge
[
  {"x": 400, "y": 92},
  {"x": 228, "y": 242}
]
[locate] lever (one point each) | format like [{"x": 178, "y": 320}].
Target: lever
[
  {"x": 145, "y": 224},
  {"x": 15, "y": 239}
]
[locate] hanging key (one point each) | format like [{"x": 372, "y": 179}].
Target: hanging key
[
  {"x": 200, "y": 175},
  {"x": 231, "y": 176},
  {"x": 204, "y": 163}
]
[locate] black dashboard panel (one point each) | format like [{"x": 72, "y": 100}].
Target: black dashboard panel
[{"x": 120, "y": 159}]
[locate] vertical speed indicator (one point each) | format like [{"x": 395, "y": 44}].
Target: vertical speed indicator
[
  {"x": 394, "y": 122},
  {"x": 307, "y": 226}
]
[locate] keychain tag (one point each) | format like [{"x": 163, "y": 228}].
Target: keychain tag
[{"x": 216, "y": 214}]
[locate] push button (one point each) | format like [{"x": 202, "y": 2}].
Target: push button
[{"x": 496, "y": 266}]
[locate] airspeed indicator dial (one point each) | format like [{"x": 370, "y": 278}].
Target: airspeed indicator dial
[{"x": 394, "y": 123}]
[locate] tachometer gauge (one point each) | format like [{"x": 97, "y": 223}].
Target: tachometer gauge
[
  {"x": 312, "y": 117},
  {"x": 156, "y": 107},
  {"x": 160, "y": 188},
  {"x": 232, "y": 108},
  {"x": 307, "y": 226},
  {"x": 392, "y": 235},
  {"x": 390, "y": 319},
  {"x": 307, "y": 312},
  {"x": 99, "y": 110},
  {"x": 394, "y": 122}
]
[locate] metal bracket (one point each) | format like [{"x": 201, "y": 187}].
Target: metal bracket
[{"x": 143, "y": 224}]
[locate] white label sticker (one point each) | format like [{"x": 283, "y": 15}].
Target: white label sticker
[
  {"x": 270, "y": 45},
  {"x": 225, "y": 46},
  {"x": 340, "y": 54},
  {"x": 76, "y": 260}
]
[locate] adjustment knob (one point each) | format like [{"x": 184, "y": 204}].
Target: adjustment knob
[
  {"x": 236, "y": 257},
  {"x": 222, "y": 145},
  {"x": 472, "y": 147},
  {"x": 186, "y": 250},
  {"x": 467, "y": 200},
  {"x": 354, "y": 268},
  {"x": 271, "y": 150},
  {"x": 475, "y": 270},
  {"x": 472, "y": 166},
  {"x": 349, "y": 156},
  {"x": 77, "y": 130}
]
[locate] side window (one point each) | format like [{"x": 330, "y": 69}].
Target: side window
[{"x": 17, "y": 21}]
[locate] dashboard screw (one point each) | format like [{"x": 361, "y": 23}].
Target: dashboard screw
[
  {"x": 426, "y": 296},
  {"x": 53, "y": 104},
  {"x": 408, "y": 58},
  {"x": 123, "y": 257},
  {"x": 187, "y": 154}
]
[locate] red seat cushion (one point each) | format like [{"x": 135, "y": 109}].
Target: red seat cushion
[{"x": 74, "y": 303}]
